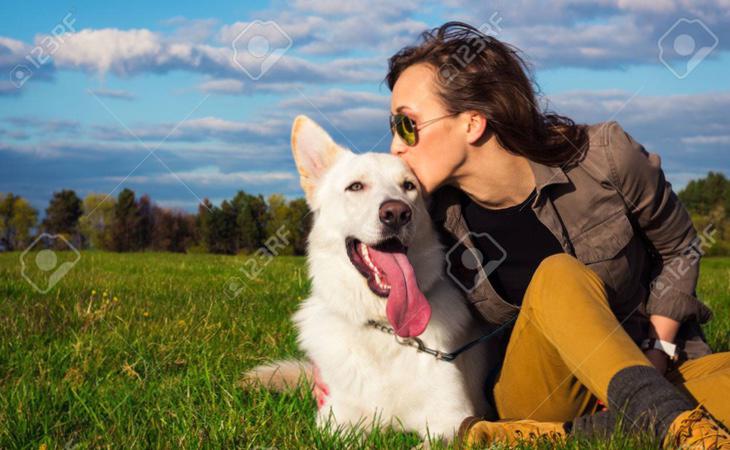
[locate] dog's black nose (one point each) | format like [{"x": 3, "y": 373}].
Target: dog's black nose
[{"x": 394, "y": 214}]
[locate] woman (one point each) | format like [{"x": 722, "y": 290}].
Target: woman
[{"x": 572, "y": 232}]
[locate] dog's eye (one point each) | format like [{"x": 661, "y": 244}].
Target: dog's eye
[
  {"x": 356, "y": 186},
  {"x": 408, "y": 186}
]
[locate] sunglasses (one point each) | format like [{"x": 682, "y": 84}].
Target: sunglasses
[{"x": 406, "y": 128}]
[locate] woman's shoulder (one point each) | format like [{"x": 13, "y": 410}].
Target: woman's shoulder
[
  {"x": 612, "y": 153},
  {"x": 604, "y": 134}
]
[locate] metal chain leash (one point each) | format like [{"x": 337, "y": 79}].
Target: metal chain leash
[
  {"x": 411, "y": 342},
  {"x": 442, "y": 356}
]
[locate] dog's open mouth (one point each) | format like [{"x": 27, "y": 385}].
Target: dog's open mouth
[{"x": 390, "y": 274}]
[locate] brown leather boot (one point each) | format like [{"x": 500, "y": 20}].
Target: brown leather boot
[
  {"x": 696, "y": 429},
  {"x": 474, "y": 430}
]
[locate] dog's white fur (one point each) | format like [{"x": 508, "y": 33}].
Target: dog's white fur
[{"x": 371, "y": 377}]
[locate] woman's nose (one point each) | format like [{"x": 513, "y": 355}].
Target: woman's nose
[{"x": 397, "y": 147}]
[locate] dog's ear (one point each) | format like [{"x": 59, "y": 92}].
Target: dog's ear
[{"x": 314, "y": 152}]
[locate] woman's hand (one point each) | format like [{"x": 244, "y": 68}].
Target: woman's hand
[
  {"x": 663, "y": 328},
  {"x": 658, "y": 358},
  {"x": 320, "y": 390}
]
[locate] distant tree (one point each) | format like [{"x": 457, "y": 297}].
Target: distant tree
[
  {"x": 300, "y": 223},
  {"x": 145, "y": 222},
  {"x": 237, "y": 225},
  {"x": 251, "y": 213},
  {"x": 63, "y": 213},
  {"x": 97, "y": 221},
  {"x": 203, "y": 224},
  {"x": 17, "y": 219},
  {"x": 247, "y": 221},
  {"x": 7, "y": 212},
  {"x": 222, "y": 229},
  {"x": 708, "y": 201},
  {"x": 259, "y": 212},
  {"x": 25, "y": 218},
  {"x": 174, "y": 231},
  {"x": 126, "y": 216},
  {"x": 706, "y": 194},
  {"x": 278, "y": 224}
]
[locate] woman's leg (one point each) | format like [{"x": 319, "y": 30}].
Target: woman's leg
[
  {"x": 565, "y": 347},
  {"x": 707, "y": 381}
]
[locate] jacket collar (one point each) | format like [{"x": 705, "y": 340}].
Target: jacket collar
[{"x": 445, "y": 202}]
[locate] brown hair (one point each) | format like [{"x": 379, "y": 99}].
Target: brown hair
[{"x": 477, "y": 72}]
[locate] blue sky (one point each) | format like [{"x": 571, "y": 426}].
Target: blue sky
[{"x": 163, "y": 97}]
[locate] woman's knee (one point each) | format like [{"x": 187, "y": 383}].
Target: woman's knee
[
  {"x": 555, "y": 275},
  {"x": 558, "y": 265}
]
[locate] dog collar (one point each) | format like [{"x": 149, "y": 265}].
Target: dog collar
[{"x": 419, "y": 345}]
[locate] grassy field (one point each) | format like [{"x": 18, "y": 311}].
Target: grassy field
[{"x": 145, "y": 351}]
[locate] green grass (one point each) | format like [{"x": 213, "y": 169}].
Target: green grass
[{"x": 159, "y": 366}]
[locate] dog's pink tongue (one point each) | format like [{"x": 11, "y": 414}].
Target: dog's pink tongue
[{"x": 408, "y": 310}]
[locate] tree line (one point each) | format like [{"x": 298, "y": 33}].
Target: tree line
[
  {"x": 244, "y": 223},
  {"x": 128, "y": 223},
  {"x": 708, "y": 201}
]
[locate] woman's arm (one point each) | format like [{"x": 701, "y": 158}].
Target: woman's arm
[
  {"x": 665, "y": 329},
  {"x": 638, "y": 177}
]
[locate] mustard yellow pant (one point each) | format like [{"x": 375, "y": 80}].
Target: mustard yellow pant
[{"x": 567, "y": 344}]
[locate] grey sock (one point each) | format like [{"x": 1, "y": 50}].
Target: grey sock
[
  {"x": 645, "y": 401},
  {"x": 598, "y": 425}
]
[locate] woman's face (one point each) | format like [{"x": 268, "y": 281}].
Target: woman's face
[{"x": 440, "y": 147}]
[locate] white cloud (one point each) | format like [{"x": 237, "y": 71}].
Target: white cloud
[
  {"x": 278, "y": 33},
  {"x": 46, "y": 126},
  {"x": 688, "y": 131},
  {"x": 597, "y": 33},
  {"x": 385, "y": 8},
  {"x": 679, "y": 114},
  {"x": 337, "y": 98},
  {"x": 199, "y": 129},
  {"x": 222, "y": 86},
  {"x": 119, "y": 94},
  {"x": 707, "y": 140},
  {"x": 111, "y": 50},
  {"x": 17, "y": 69},
  {"x": 132, "y": 52},
  {"x": 213, "y": 176},
  {"x": 191, "y": 30},
  {"x": 34, "y": 150},
  {"x": 648, "y": 5}
]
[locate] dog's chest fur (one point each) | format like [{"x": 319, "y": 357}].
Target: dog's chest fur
[{"x": 369, "y": 373}]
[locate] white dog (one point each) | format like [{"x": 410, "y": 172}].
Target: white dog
[{"x": 374, "y": 256}]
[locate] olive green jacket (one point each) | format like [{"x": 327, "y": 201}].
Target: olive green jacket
[{"x": 615, "y": 212}]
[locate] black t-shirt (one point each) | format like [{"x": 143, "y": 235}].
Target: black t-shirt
[{"x": 513, "y": 242}]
